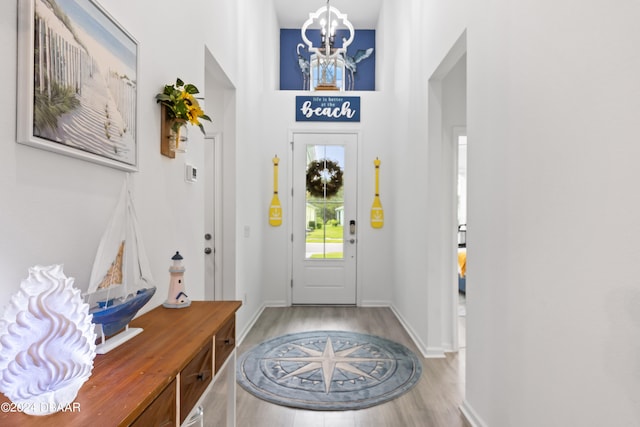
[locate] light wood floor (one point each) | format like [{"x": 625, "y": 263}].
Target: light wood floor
[{"x": 434, "y": 401}]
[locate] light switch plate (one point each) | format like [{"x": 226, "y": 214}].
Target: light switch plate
[{"x": 191, "y": 173}]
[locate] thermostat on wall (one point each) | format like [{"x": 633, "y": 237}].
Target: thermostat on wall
[{"x": 191, "y": 173}]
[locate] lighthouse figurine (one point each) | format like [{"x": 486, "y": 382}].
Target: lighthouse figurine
[{"x": 177, "y": 298}]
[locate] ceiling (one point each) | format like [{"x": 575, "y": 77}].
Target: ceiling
[{"x": 363, "y": 14}]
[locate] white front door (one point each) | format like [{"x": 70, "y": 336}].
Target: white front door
[{"x": 324, "y": 218}]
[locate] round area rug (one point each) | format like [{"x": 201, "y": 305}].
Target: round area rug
[{"x": 328, "y": 370}]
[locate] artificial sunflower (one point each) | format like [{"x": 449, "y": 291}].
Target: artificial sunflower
[{"x": 181, "y": 104}]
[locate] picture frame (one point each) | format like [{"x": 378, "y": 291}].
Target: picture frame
[{"x": 77, "y": 82}]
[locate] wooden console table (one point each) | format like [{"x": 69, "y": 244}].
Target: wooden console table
[{"x": 156, "y": 378}]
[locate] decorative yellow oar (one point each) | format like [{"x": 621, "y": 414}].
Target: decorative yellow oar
[
  {"x": 275, "y": 210},
  {"x": 377, "y": 214}
]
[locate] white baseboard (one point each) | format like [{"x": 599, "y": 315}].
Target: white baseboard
[
  {"x": 241, "y": 336},
  {"x": 255, "y": 317},
  {"x": 435, "y": 353},
  {"x": 374, "y": 303},
  {"x": 448, "y": 347},
  {"x": 426, "y": 351},
  {"x": 471, "y": 415},
  {"x": 276, "y": 303}
]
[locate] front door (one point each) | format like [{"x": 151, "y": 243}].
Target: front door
[{"x": 324, "y": 218}]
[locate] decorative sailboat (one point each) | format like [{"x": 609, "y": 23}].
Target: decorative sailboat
[{"x": 121, "y": 281}]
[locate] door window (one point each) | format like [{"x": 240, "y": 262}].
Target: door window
[{"x": 324, "y": 202}]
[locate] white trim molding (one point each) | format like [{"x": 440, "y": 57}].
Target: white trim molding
[
  {"x": 471, "y": 415},
  {"x": 427, "y": 352},
  {"x": 242, "y": 335}
]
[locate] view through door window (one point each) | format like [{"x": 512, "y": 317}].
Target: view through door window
[{"x": 325, "y": 202}]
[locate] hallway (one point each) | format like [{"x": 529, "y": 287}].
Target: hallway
[{"x": 434, "y": 401}]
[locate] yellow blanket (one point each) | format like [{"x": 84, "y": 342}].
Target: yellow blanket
[{"x": 462, "y": 262}]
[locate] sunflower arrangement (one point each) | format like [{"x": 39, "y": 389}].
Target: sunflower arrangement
[{"x": 182, "y": 106}]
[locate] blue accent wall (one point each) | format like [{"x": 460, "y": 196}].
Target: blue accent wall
[{"x": 290, "y": 75}]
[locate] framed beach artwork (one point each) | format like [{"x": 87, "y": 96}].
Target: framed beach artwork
[{"x": 77, "y": 82}]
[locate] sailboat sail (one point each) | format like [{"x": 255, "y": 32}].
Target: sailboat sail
[
  {"x": 114, "y": 274},
  {"x": 121, "y": 281}
]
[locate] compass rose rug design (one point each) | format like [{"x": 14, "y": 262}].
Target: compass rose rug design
[{"x": 328, "y": 370}]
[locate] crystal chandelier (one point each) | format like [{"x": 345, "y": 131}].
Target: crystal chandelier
[{"x": 327, "y": 57}]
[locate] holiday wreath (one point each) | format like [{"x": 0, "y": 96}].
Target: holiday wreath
[{"x": 324, "y": 178}]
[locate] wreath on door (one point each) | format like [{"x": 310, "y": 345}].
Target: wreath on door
[{"x": 324, "y": 178}]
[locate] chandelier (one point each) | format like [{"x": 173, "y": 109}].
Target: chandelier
[{"x": 327, "y": 65}]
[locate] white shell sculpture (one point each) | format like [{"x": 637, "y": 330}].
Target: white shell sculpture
[{"x": 47, "y": 343}]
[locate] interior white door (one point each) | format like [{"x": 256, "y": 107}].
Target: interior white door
[
  {"x": 324, "y": 244},
  {"x": 212, "y": 226}
]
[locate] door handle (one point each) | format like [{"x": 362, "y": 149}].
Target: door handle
[{"x": 207, "y": 251}]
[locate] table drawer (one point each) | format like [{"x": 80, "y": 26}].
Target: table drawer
[
  {"x": 161, "y": 412},
  {"x": 194, "y": 379},
  {"x": 225, "y": 342}
]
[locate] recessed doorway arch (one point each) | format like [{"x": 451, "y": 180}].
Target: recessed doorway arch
[{"x": 447, "y": 112}]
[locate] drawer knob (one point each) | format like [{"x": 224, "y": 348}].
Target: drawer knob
[{"x": 201, "y": 376}]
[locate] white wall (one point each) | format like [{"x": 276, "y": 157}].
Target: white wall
[
  {"x": 255, "y": 69},
  {"x": 377, "y": 139},
  {"x": 408, "y": 166},
  {"x": 374, "y": 274},
  {"x": 552, "y": 285},
  {"x": 54, "y": 208},
  {"x": 422, "y": 34}
]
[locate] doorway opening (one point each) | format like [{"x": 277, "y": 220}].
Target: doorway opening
[
  {"x": 447, "y": 100},
  {"x": 218, "y": 244},
  {"x": 460, "y": 143}
]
